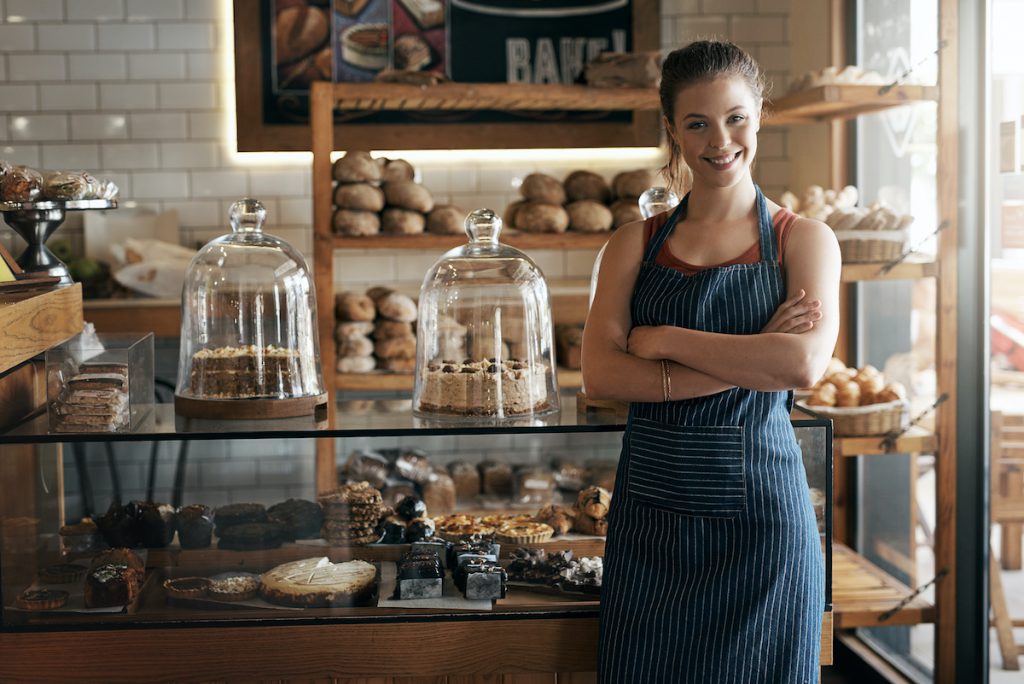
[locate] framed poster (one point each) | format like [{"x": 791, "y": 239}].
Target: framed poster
[{"x": 281, "y": 46}]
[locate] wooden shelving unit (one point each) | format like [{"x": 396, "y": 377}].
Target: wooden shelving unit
[
  {"x": 34, "y": 322},
  {"x": 908, "y": 270},
  {"x": 440, "y": 243},
  {"x": 915, "y": 441},
  {"x": 861, "y": 593},
  {"x": 830, "y": 102}
]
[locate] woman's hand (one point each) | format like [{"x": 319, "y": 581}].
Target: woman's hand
[
  {"x": 645, "y": 342},
  {"x": 795, "y": 315}
]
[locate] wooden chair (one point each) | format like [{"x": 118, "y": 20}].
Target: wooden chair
[{"x": 1008, "y": 510}]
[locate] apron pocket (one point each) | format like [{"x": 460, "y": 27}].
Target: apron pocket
[{"x": 692, "y": 470}]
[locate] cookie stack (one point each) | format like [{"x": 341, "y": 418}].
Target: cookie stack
[
  {"x": 584, "y": 202},
  {"x": 351, "y": 514},
  {"x": 592, "y": 506},
  {"x": 381, "y": 195},
  {"x": 394, "y": 333}
]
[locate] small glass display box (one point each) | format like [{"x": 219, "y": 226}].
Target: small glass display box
[
  {"x": 249, "y": 344},
  {"x": 484, "y": 347},
  {"x": 99, "y": 383}
]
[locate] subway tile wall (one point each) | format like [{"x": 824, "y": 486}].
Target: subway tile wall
[{"x": 134, "y": 90}]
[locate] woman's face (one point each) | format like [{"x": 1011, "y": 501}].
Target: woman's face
[{"x": 715, "y": 125}]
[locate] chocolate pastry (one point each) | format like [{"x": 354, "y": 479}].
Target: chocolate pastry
[
  {"x": 411, "y": 507},
  {"x": 414, "y": 464},
  {"x": 158, "y": 523},
  {"x": 238, "y": 514},
  {"x": 251, "y": 536},
  {"x": 121, "y": 526},
  {"x": 112, "y": 584},
  {"x": 301, "y": 519},
  {"x": 118, "y": 557},
  {"x": 419, "y": 529},
  {"x": 369, "y": 466},
  {"x": 195, "y": 526},
  {"x": 392, "y": 530}
]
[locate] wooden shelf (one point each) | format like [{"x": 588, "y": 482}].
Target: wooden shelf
[
  {"x": 908, "y": 270},
  {"x": 915, "y": 441},
  {"x": 814, "y": 104},
  {"x": 843, "y": 102},
  {"x": 446, "y": 242},
  {"x": 861, "y": 592},
  {"x": 162, "y": 317},
  {"x": 32, "y": 324},
  {"x": 385, "y": 381},
  {"x": 491, "y": 96}
]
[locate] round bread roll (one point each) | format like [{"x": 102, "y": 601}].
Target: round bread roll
[
  {"x": 402, "y": 222},
  {"x": 396, "y": 348},
  {"x": 625, "y": 211},
  {"x": 356, "y": 364},
  {"x": 357, "y": 166},
  {"x": 351, "y": 306},
  {"x": 399, "y": 365},
  {"x": 594, "y": 501},
  {"x": 587, "y": 185},
  {"x": 348, "y": 329},
  {"x": 397, "y": 307},
  {"x": 509, "y": 217},
  {"x": 632, "y": 184},
  {"x": 384, "y": 329},
  {"x": 840, "y": 378},
  {"x": 408, "y": 195},
  {"x": 397, "y": 170},
  {"x": 356, "y": 345},
  {"x": 540, "y": 187},
  {"x": 894, "y": 391},
  {"x": 588, "y": 216},
  {"x": 834, "y": 366},
  {"x": 359, "y": 196},
  {"x": 446, "y": 219},
  {"x": 848, "y": 395},
  {"x": 870, "y": 384},
  {"x": 356, "y": 223},
  {"x": 824, "y": 395},
  {"x": 534, "y": 217},
  {"x": 378, "y": 293}
]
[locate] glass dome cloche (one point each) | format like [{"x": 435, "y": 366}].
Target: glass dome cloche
[
  {"x": 484, "y": 347},
  {"x": 249, "y": 344}
]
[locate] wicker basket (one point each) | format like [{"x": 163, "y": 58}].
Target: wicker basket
[
  {"x": 869, "y": 246},
  {"x": 862, "y": 421}
]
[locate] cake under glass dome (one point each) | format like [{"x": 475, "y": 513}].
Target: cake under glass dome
[
  {"x": 249, "y": 344},
  {"x": 484, "y": 347}
]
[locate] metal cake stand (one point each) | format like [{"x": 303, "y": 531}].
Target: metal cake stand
[{"x": 35, "y": 222}]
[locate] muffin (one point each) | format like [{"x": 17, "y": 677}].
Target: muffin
[{"x": 195, "y": 526}]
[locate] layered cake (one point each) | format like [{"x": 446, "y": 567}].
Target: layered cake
[
  {"x": 484, "y": 388},
  {"x": 317, "y": 582},
  {"x": 94, "y": 400},
  {"x": 246, "y": 372}
]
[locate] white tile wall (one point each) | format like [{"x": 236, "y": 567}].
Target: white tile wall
[
  {"x": 66, "y": 37},
  {"x": 122, "y": 37},
  {"x": 95, "y": 10},
  {"x": 68, "y": 97},
  {"x": 34, "y": 10},
  {"x": 156, "y": 66}
]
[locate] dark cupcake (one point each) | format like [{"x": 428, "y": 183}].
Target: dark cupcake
[
  {"x": 195, "y": 526},
  {"x": 301, "y": 519},
  {"x": 158, "y": 522},
  {"x": 238, "y": 514},
  {"x": 121, "y": 526}
]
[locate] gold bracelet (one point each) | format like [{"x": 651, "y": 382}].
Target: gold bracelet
[
  {"x": 668, "y": 380},
  {"x": 666, "y": 386}
]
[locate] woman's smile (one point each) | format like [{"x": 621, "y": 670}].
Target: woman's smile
[{"x": 723, "y": 162}]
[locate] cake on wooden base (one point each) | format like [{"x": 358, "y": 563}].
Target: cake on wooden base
[{"x": 317, "y": 582}]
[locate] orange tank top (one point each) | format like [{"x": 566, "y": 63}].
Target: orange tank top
[{"x": 781, "y": 222}]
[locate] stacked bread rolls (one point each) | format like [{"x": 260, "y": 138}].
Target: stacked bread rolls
[
  {"x": 844, "y": 387},
  {"x": 375, "y": 330},
  {"x": 584, "y": 202},
  {"x": 375, "y": 196}
]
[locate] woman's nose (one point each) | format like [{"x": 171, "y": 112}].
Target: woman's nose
[{"x": 719, "y": 138}]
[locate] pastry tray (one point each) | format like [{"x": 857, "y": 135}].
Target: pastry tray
[
  {"x": 67, "y": 205},
  {"x": 76, "y": 597}
]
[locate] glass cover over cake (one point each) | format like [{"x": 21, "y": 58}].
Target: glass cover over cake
[
  {"x": 249, "y": 322},
  {"x": 484, "y": 342}
]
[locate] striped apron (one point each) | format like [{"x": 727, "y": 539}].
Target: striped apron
[{"x": 713, "y": 564}]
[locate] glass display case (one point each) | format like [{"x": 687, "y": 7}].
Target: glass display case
[
  {"x": 249, "y": 342},
  {"x": 484, "y": 342},
  {"x": 247, "y": 525}
]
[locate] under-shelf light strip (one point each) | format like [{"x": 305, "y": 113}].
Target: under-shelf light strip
[{"x": 645, "y": 156}]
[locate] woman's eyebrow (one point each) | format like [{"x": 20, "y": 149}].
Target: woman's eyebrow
[{"x": 695, "y": 115}]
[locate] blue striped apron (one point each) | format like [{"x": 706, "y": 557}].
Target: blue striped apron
[{"x": 713, "y": 564}]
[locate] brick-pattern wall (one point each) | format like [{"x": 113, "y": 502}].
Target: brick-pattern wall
[{"x": 134, "y": 90}]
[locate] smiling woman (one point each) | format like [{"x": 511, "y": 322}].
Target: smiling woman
[{"x": 706, "y": 318}]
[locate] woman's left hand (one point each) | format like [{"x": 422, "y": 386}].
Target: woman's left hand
[{"x": 645, "y": 341}]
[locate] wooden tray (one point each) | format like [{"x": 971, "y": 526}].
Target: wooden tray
[{"x": 217, "y": 409}]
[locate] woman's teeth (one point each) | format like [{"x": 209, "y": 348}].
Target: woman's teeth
[{"x": 723, "y": 161}]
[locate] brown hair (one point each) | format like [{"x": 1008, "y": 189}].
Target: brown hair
[{"x": 703, "y": 60}]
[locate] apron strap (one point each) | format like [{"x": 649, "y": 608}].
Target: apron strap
[
  {"x": 658, "y": 239},
  {"x": 765, "y": 230}
]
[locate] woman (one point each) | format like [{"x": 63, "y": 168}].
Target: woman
[{"x": 714, "y": 569}]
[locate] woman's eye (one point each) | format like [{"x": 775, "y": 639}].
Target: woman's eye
[
  {"x": 736, "y": 118},
  {"x": 695, "y": 125}
]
